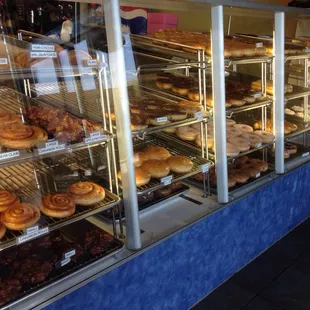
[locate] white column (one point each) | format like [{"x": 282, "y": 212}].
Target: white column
[
  {"x": 122, "y": 115},
  {"x": 218, "y": 79},
  {"x": 278, "y": 86}
]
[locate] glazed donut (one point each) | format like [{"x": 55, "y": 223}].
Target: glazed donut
[
  {"x": 292, "y": 148},
  {"x": 231, "y": 149},
  {"x": 263, "y": 166},
  {"x": 20, "y": 216},
  {"x": 176, "y": 116},
  {"x": 239, "y": 176},
  {"x": 255, "y": 140},
  {"x": 2, "y": 230},
  {"x": 244, "y": 128},
  {"x": 193, "y": 94},
  {"x": 289, "y": 112},
  {"x": 240, "y": 161},
  {"x": 7, "y": 118},
  {"x": 252, "y": 170},
  {"x": 187, "y": 133},
  {"x": 232, "y": 132},
  {"x": 190, "y": 106},
  {"x": 170, "y": 130},
  {"x": 7, "y": 199},
  {"x": 156, "y": 152},
  {"x": 210, "y": 140},
  {"x": 230, "y": 122},
  {"x": 287, "y": 154},
  {"x": 179, "y": 164},
  {"x": 138, "y": 122},
  {"x": 58, "y": 205},
  {"x": 300, "y": 114},
  {"x": 164, "y": 84},
  {"x": 139, "y": 158},
  {"x": 20, "y": 136},
  {"x": 249, "y": 99},
  {"x": 180, "y": 89},
  {"x": 267, "y": 137},
  {"x": 164, "y": 75},
  {"x": 86, "y": 193},
  {"x": 242, "y": 144},
  {"x": 156, "y": 168},
  {"x": 142, "y": 176}
]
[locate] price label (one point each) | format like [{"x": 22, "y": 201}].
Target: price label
[
  {"x": 162, "y": 119},
  {"x": 95, "y": 137},
  {"x": 305, "y": 154},
  {"x": 69, "y": 254},
  {"x": 259, "y": 145},
  {"x": 31, "y": 230},
  {"x": 257, "y": 175},
  {"x": 63, "y": 262},
  {"x": 8, "y": 155},
  {"x": 199, "y": 115},
  {"x": 51, "y": 147},
  {"x": 259, "y": 44},
  {"x": 3, "y": 61},
  {"x": 43, "y": 54},
  {"x": 205, "y": 168},
  {"x": 166, "y": 180},
  {"x": 92, "y": 62},
  {"x": 35, "y": 234},
  {"x": 43, "y": 48},
  {"x": 257, "y": 95}
]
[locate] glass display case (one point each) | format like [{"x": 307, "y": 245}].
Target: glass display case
[{"x": 100, "y": 127}]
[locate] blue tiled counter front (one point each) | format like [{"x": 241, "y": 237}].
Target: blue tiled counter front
[{"x": 178, "y": 272}]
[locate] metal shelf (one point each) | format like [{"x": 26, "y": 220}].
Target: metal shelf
[
  {"x": 298, "y": 92},
  {"x": 175, "y": 148},
  {"x": 24, "y": 180}
]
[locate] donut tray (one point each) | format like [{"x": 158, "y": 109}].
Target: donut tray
[
  {"x": 144, "y": 207},
  {"x": 30, "y": 181},
  {"x": 16, "y": 102},
  {"x": 298, "y": 92},
  {"x": 175, "y": 148}
]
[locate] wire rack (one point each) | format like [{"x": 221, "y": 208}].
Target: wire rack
[
  {"x": 199, "y": 164},
  {"x": 31, "y": 181},
  {"x": 79, "y": 97}
]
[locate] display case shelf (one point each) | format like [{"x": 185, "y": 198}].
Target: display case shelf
[
  {"x": 30, "y": 182},
  {"x": 298, "y": 92}
]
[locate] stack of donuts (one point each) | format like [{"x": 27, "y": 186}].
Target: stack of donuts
[
  {"x": 257, "y": 85},
  {"x": 297, "y": 110},
  {"x": 190, "y": 40},
  {"x": 18, "y": 215},
  {"x": 288, "y": 127},
  {"x": 156, "y": 162},
  {"x": 243, "y": 169}
]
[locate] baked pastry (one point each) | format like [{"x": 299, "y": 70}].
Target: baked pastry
[
  {"x": 292, "y": 148},
  {"x": 142, "y": 176},
  {"x": 7, "y": 199},
  {"x": 187, "y": 133},
  {"x": 267, "y": 137},
  {"x": 244, "y": 128},
  {"x": 241, "y": 143},
  {"x": 179, "y": 164},
  {"x": 58, "y": 205},
  {"x": 156, "y": 168},
  {"x": 20, "y": 136},
  {"x": 156, "y": 152},
  {"x": 86, "y": 193},
  {"x": 2, "y": 230},
  {"x": 20, "y": 216},
  {"x": 140, "y": 158},
  {"x": 7, "y": 118},
  {"x": 190, "y": 106},
  {"x": 254, "y": 140}
]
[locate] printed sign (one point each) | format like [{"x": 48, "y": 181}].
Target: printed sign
[
  {"x": 8, "y": 155},
  {"x": 51, "y": 146},
  {"x": 43, "y": 48},
  {"x": 95, "y": 137},
  {"x": 30, "y": 236}
]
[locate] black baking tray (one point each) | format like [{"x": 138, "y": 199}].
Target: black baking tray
[
  {"x": 107, "y": 215},
  {"x": 72, "y": 236}
]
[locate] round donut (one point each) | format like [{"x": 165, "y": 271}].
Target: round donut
[
  {"x": 241, "y": 143},
  {"x": 164, "y": 84},
  {"x": 170, "y": 130},
  {"x": 180, "y": 89},
  {"x": 7, "y": 199},
  {"x": 249, "y": 99},
  {"x": 240, "y": 161},
  {"x": 139, "y": 158},
  {"x": 262, "y": 165},
  {"x": 289, "y": 112},
  {"x": 267, "y": 137},
  {"x": 231, "y": 149},
  {"x": 176, "y": 116},
  {"x": 287, "y": 154},
  {"x": 58, "y": 205},
  {"x": 20, "y": 216},
  {"x": 244, "y": 128},
  {"x": 156, "y": 168},
  {"x": 142, "y": 176},
  {"x": 232, "y": 132},
  {"x": 238, "y": 175},
  {"x": 254, "y": 140},
  {"x": 251, "y": 169},
  {"x": 190, "y": 106},
  {"x": 297, "y": 108},
  {"x": 193, "y": 94},
  {"x": 2, "y": 230},
  {"x": 210, "y": 140},
  {"x": 179, "y": 164},
  {"x": 230, "y": 122},
  {"x": 86, "y": 193},
  {"x": 187, "y": 133},
  {"x": 292, "y": 148},
  {"x": 156, "y": 152}
]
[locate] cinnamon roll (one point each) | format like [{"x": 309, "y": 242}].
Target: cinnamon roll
[
  {"x": 20, "y": 216},
  {"x": 7, "y": 199},
  {"x": 7, "y": 118},
  {"x": 86, "y": 193},
  {"x": 20, "y": 136},
  {"x": 58, "y": 205}
]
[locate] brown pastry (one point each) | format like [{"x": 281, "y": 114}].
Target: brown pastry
[
  {"x": 142, "y": 176},
  {"x": 7, "y": 199},
  {"x": 156, "y": 168},
  {"x": 86, "y": 193},
  {"x": 156, "y": 152},
  {"x": 7, "y": 118},
  {"x": 179, "y": 164},
  {"x": 58, "y": 205},
  {"x": 20, "y": 136},
  {"x": 2, "y": 230},
  {"x": 20, "y": 216}
]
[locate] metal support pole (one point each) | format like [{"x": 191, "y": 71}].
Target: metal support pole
[
  {"x": 218, "y": 87},
  {"x": 278, "y": 86},
  {"x": 121, "y": 108}
]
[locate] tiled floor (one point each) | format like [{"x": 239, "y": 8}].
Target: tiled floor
[{"x": 277, "y": 279}]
